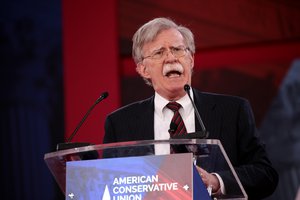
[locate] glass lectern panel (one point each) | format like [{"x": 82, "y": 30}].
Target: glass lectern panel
[{"x": 207, "y": 154}]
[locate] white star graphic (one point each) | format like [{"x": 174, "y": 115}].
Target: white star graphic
[
  {"x": 71, "y": 195},
  {"x": 186, "y": 187}
]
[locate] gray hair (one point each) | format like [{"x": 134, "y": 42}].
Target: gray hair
[{"x": 151, "y": 29}]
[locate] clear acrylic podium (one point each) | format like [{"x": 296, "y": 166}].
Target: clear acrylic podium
[{"x": 206, "y": 153}]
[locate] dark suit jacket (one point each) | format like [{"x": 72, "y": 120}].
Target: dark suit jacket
[{"x": 227, "y": 118}]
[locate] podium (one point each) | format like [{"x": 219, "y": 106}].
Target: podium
[{"x": 132, "y": 170}]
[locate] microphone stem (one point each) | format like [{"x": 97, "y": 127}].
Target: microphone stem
[
  {"x": 103, "y": 96},
  {"x": 187, "y": 89},
  {"x": 198, "y": 115},
  {"x": 81, "y": 122}
]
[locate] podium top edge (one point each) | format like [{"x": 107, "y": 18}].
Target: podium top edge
[{"x": 130, "y": 144}]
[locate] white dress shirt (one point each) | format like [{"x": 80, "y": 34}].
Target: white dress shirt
[{"x": 163, "y": 117}]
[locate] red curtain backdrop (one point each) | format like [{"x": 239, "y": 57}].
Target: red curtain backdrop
[{"x": 90, "y": 61}]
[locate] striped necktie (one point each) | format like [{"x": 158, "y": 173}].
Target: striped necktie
[{"x": 177, "y": 126}]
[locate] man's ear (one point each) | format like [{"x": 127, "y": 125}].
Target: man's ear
[
  {"x": 192, "y": 61},
  {"x": 142, "y": 70}
]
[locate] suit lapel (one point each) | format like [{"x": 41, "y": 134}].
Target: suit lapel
[
  {"x": 207, "y": 110},
  {"x": 145, "y": 120}
]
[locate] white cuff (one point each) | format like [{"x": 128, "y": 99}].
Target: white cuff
[{"x": 222, "y": 186}]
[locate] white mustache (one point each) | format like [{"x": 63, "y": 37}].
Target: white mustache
[{"x": 172, "y": 67}]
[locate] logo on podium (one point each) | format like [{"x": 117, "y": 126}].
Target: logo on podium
[{"x": 139, "y": 178}]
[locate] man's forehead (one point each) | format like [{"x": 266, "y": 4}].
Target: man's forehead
[{"x": 166, "y": 40}]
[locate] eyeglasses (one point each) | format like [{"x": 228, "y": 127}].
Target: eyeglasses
[{"x": 161, "y": 53}]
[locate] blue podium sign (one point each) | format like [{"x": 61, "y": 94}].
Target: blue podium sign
[{"x": 135, "y": 178}]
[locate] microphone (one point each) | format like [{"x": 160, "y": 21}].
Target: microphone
[
  {"x": 68, "y": 144},
  {"x": 173, "y": 128},
  {"x": 198, "y": 134}
]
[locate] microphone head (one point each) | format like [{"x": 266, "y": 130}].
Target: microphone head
[
  {"x": 104, "y": 95},
  {"x": 186, "y": 87}
]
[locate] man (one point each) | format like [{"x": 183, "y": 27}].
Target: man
[{"x": 164, "y": 56}]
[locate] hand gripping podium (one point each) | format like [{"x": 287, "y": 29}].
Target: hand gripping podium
[{"x": 132, "y": 170}]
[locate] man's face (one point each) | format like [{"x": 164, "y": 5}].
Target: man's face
[{"x": 169, "y": 73}]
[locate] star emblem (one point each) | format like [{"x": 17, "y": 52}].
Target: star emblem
[
  {"x": 71, "y": 195},
  {"x": 186, "y": 187}
]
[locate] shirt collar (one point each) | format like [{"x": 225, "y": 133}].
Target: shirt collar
[{"x": 185, "y": 102}]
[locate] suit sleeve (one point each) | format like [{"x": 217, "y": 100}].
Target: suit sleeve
[{"x": 254, "y": 169}]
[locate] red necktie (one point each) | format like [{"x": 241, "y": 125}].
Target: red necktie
[{"x": 177, "y": 126}]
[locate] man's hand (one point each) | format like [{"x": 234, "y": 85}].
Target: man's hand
[{"x": 210, "y": 180}]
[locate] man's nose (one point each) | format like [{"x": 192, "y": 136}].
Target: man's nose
[{"x": 169, "y": 54}]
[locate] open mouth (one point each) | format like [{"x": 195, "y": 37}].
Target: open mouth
[{"x": 173, "y": 74}]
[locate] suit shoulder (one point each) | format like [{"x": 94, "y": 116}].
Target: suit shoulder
[
  {"x": 226, "y": 97},
  {"x": 223, "y": 98},
  {"x": 134, "y": 107}
]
